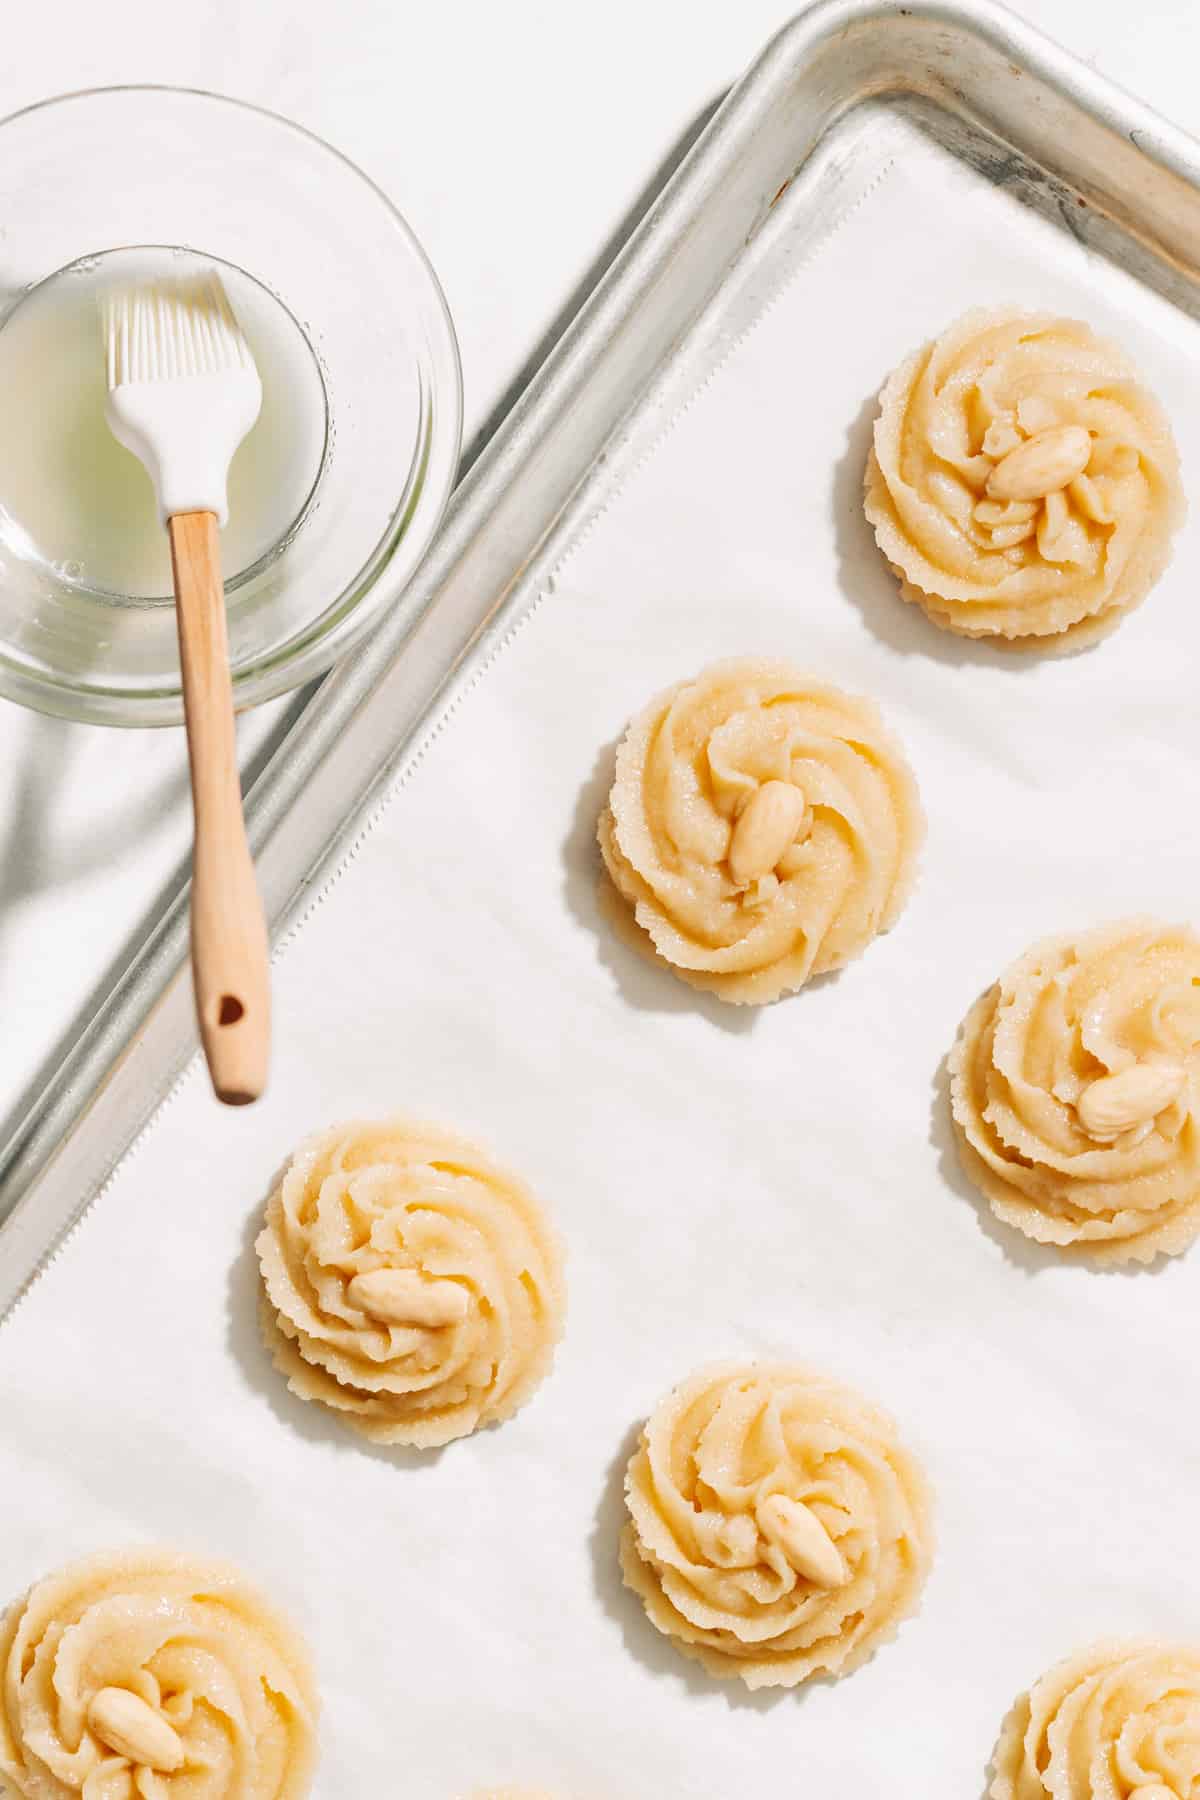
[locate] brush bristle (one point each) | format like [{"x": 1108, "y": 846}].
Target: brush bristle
[{"x": 169, "y": 330}]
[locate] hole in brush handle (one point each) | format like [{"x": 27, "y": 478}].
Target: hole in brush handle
[{"x": 230, "y": 1010}]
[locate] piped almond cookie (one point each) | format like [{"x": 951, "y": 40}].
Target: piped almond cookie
[
  {"x": 409, "y": 1283},
  {"x": 777, "y": 1527},
  {"x": 1073, "y": 1085},
  {"x": 1023, "y": 482},
  {"x": 1119, "y": 1721},
  {"x": 148, "y": 1673},
  {"x": 762, "y": 828}
]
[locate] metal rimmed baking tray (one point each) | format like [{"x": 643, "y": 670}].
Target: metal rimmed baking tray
[
  {"x": 729, "y": 1183},
  {"x": 992, "y": 90}
]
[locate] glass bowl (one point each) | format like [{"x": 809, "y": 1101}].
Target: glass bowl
[{"x": 121, "y": 169}]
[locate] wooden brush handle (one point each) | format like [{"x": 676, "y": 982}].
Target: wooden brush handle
[{"x": 229, "y": 932}]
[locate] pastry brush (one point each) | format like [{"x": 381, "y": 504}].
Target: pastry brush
[{"x": 183, "y": 392}]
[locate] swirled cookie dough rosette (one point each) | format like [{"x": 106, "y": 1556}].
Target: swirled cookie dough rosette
[
  {"x": 410, "y": 1283},
  {"x": 1073, "y": 1086},
  {"x": 144, "y": 1675},
  {"x": 777, "y": 1527},
  {"x": 1023, "y": 484},
  {"x": 762, "y": 828},
  {"x": 1120, "y": 1721}
]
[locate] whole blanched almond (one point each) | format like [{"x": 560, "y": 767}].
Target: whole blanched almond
[
  {"x": 1041, "y": 465},
  {"x": 766, "y": 828},
  {"x": 127, "y": 1724},
  {"x": 1117, "y": 1103},
  {"x": 1088, "y": 500},
  {"x": 798, "y": 1532},
  {"x": 406, "y": 1297}
]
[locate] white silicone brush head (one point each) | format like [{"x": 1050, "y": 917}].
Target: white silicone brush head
[{"x": 183, "y": 390}]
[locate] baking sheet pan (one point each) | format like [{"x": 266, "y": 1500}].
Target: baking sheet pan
[{"x": 729, "y": 1183}]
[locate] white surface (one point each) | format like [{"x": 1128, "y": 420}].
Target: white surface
[
  {"x": 515, "y": 138},
  {"x": 729, "y": 1182}
]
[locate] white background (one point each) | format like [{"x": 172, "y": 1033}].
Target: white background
[{"x": 517, "y": 138}]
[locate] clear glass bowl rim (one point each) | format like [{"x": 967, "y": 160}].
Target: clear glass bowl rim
[{"x": 317, "y": 649}]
